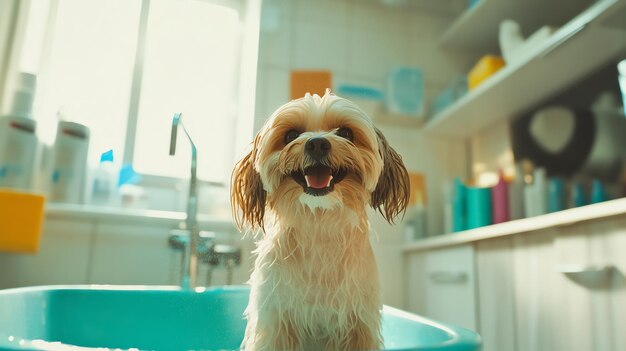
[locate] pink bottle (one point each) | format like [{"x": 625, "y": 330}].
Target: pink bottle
[{"x": 500, "y": 200}]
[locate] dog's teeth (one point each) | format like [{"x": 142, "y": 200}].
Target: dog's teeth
[
  {"x": 330, "y": 179},
  {"x": 307, "y": 181}
]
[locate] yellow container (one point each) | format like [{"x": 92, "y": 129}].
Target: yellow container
[
  {"x": 486, "y": 66},
  {"x": 21, "y": 218}
]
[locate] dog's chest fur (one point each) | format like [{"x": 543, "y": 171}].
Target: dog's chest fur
[{"x": 321, "y": 277}]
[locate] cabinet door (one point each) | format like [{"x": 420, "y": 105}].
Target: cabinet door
[
  {"x": 132, "y": 254},
  {"x": 63, "y": 257},
  {"x": 495, "y": 284},
  {"x": 596, "y": 297},
  {"x": 442, "y": 285},
  {"x": 540, "y": 307}
]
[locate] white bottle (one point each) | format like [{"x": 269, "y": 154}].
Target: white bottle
[
  {"x": 516, "y": 194},
  {"x": 105, "y": 181},
  {"x": 540, "y": 191},
  {"x": 69, "y": 163},
  {"x": 18, "y": 141}
]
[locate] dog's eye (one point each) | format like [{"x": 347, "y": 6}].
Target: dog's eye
[
  {"x": 291, "y": 136},
  {"x": 346, "y": 133}
]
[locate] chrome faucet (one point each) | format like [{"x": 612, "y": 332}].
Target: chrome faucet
[{"x": 190, "y": 256}]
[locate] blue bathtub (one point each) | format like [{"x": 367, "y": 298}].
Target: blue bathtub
[{"x": 166, "y": 318}]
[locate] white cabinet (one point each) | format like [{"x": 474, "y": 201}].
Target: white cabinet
[
  {"x": 593, "y": 293},
  {"x": 63, "y": 257},
  {"x": 120, "y": 250},
  {"x": 441, "y": 285},
  {"x": 131, "y": 254},
  {"x": 548, "y": 290}
]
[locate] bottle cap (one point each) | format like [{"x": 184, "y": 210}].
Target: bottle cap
[{"x": 106, "y": 156}]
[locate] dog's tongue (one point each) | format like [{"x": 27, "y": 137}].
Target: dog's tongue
[{"x": 318, "y": 177}]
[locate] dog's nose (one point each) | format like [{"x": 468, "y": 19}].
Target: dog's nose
[{"x": 317, "y": 148}]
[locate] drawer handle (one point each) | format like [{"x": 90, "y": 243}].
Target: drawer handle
[
  {"x": 587, "y": 275},
  {"x": 580, "y": 269},
  {"x": 448, "y": 277}
]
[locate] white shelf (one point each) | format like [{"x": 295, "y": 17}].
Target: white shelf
[
  {"x": 574, "y": 51},
  {"x": 477, "y": 29},
  {"x": 563, "y": 218}
]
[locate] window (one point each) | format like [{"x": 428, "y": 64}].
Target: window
[
  {"x": 124, "y": 67},
  {"x": 189, "y": 66}
]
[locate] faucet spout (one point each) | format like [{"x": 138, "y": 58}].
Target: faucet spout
[{"x": 190, "y": 257}]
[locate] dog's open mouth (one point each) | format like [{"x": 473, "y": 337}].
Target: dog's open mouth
[{"x": 318, "y": 180}]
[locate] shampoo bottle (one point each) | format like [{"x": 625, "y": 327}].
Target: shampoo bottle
[
  {"x": 105, "y": 181},
  {"x": 69, "y": 163},
  {"x": 500, "y": 201},
  {"x": 516, "y": 194},
  {"x": 18, "y": 141}
]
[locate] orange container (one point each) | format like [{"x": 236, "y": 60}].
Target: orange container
[
  {"x": 486, "y": 66},
  {"x": 313, "y": 82},
  {"x": 21, "y": 218}
]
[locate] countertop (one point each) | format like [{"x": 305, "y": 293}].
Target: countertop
[
  {"x": 120, "y": 214},
  {"x": 568, "y": 217}
]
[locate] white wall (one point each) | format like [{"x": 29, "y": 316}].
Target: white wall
[{"x": 358, "y": 41}]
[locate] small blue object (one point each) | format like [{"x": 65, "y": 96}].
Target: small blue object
[
  {"x": 56, "y": 176},
  {"x": 106, "y": 156},
  {"x": 598, "y": 194},
  {"x": 159, "y": 319},
  {"x": 360, "y": 92},
  {"x": 405, "y": 93},
  {"x": 556, "y": 195},
  {"x": 128, "y": 175}
]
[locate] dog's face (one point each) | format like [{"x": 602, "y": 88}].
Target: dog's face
[{"x": 319, "y": 153}]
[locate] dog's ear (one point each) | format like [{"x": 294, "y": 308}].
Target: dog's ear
[
  {"x": 392, "y": 192},
  {"x": 247, "y": 195}
]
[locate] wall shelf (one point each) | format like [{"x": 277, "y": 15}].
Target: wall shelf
[
  {"x": 586, "y": 43},
  {"x": 572, "y": 216},
  {"x": 477, "y": 28}
]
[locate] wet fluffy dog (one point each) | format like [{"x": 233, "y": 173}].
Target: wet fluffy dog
[{"x": 314, "y": 168}]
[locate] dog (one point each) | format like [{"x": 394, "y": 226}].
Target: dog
[{"x": 314, "y": 168}]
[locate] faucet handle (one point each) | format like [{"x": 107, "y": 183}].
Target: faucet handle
[
  {"x": 223, "y": 254},
  {"x": 228, "y": 256},
  {"x": 179, "y": 238}
]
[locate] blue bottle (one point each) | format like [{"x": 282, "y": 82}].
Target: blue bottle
[
  {"x": 579, "y": 198},
  {"x": 598, "y": 194},
  {"x": 556, "y": 195}
]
